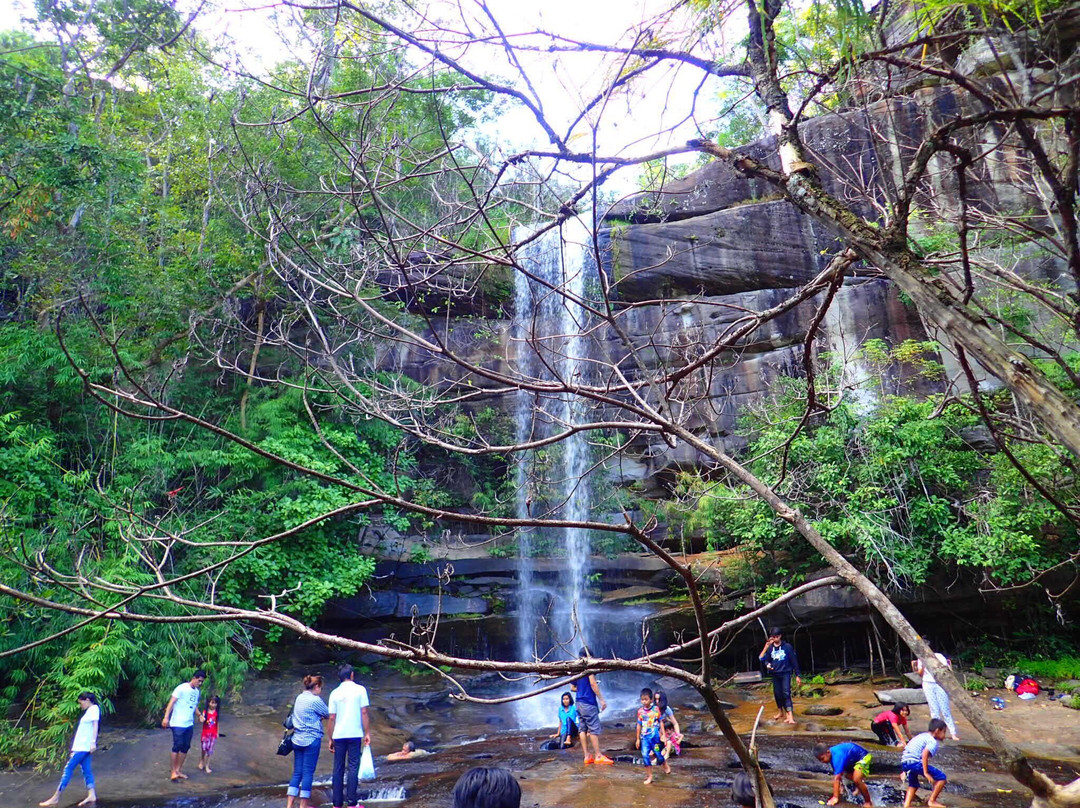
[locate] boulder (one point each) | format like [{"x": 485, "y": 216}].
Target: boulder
[
  {"x": 434, "y": 604},
  {"x": 713, "y": 255},
  {"x": 821, "y": 709},
  {"x": 746, "y": 677},
  {"x": 979, "y": 438},
  {"x": 902, "y": 695},
  {"x": 670, "y": 684},
  {"x": 632, "y": 593},
  {"x": 842, "y": 677}
]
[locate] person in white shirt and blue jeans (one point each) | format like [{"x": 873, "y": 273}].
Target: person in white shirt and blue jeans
[
  {"x": 82, "y": 747},
  {"x": 349, "y": 735}
]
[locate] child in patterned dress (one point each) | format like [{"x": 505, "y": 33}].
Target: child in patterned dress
[{"x": 209, "y": 732}]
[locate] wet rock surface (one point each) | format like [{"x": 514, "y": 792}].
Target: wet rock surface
[
  {"x": 822, "y": 709},
  {"x": 132, "y": 766}
]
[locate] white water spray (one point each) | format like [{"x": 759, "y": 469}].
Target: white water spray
[{"x": 550, "y": 330}]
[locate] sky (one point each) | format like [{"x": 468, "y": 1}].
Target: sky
[{"x": 561, "y": 81}]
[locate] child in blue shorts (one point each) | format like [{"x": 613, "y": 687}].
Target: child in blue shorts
[
  {"x": 915, "y": 760},
  {"x": 847, "y": 760},
  {"x": 650, "y": 734}
]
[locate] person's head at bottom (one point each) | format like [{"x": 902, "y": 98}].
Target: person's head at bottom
[
  {"x": 485, "y": 787},
  {"x": 742, "y": 790}
]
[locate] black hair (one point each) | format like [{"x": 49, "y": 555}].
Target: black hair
[
  {"x": 936, "y": 724},
  {"x": 199, "y": 674},
  {"x": 821, "y": 749},
  {"x": 410, "y": 746},
  {"x": 900, "y": 706},
  {"x": 567, "y": 695},
  {"x": 669, "y": 725},
  {"x": 776, "y": 631},
  {"x": 90, "y": 697},
  {"x": 485, "y": 787},
  {"x": 583, "y": 653},
  {"x": 661, "y": 700},
  {"x": 742, "y": 790},
  {"x": 213, "y": 698},
  {"x": 346, "y": 672},
  {"x": 646, "y": 692}
]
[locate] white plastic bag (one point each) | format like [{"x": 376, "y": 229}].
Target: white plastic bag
[{"x": 367, "y": 765}]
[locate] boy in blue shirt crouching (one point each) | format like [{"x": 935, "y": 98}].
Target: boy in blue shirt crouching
[{"x": 848, "y": 760}]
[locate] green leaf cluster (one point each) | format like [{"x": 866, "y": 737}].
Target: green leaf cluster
[{"x": 894, "y": 483}]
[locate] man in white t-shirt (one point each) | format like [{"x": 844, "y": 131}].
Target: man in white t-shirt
[
  {"x": 349, "y": 734},
  {"x": 180, "y": 718}
]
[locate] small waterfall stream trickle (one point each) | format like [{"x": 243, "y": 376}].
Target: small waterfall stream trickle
[{"x": 550, "y": 332}]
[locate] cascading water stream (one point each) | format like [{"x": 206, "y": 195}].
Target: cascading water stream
[{"x": 549, "y": 332}]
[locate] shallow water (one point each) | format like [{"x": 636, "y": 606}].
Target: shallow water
[
  {"x": 132, "y": 768},
  {"x": 702, "y": 777}
]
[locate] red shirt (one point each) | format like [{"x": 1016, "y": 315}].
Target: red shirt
[
  {"x": 209, "y": 726},
  {"x": 892, "y": 717}
]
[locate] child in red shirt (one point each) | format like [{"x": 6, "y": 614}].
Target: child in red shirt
[
  {"x": 209, "y": 732},
  {"x": 891, "y": 726}
]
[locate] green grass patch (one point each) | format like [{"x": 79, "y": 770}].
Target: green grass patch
[{"x": 1066, "y": 667}]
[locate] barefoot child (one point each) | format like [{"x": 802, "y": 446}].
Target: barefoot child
[
  {"x": 673, "y": 742},
  {"x": 915, "y": 760},
  {"x": 782, "y": 663},
  {"x": 890, "y": 726},
  {"x": 82, "y": 747},
  {"x": 650, "y": 734},
  {"x": 209, "y": 732},
  {"x": 848, "y": 760}
]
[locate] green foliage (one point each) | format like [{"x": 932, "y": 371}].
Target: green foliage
[
  {"x": 892, "y": 484},
  {"x": 121, "y": 194},
  {"x": 1065, "y": 667},
  {"x": 408, "y": 669},
  {"x": 975, "y": 684}
]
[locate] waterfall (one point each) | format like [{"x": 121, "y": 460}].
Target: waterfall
[{"x": 551, "y": 344}]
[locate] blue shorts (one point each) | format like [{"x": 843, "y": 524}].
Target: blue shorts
[
  {"x": 181, "y": 738},
  {"x": 913, "y": 770}
]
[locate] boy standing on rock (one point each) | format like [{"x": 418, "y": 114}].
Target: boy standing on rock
[
  {"x": 779, "y": 657},
  {"x": 588, "y": 694}
]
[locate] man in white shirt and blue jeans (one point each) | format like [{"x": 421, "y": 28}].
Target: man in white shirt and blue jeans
[
  {"x": 349, "y": 734},
  {"x": 180, "y": 718}
]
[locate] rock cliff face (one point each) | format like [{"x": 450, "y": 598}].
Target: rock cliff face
[{"x": 689, "y": 261}]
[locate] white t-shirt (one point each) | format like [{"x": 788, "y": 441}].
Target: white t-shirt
[
  {"x": 927, "y": 677},
  {"x": 346, "y": 702},
  {"x": 85, "y": 736},
  {"x": 183, "y": 712}
]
